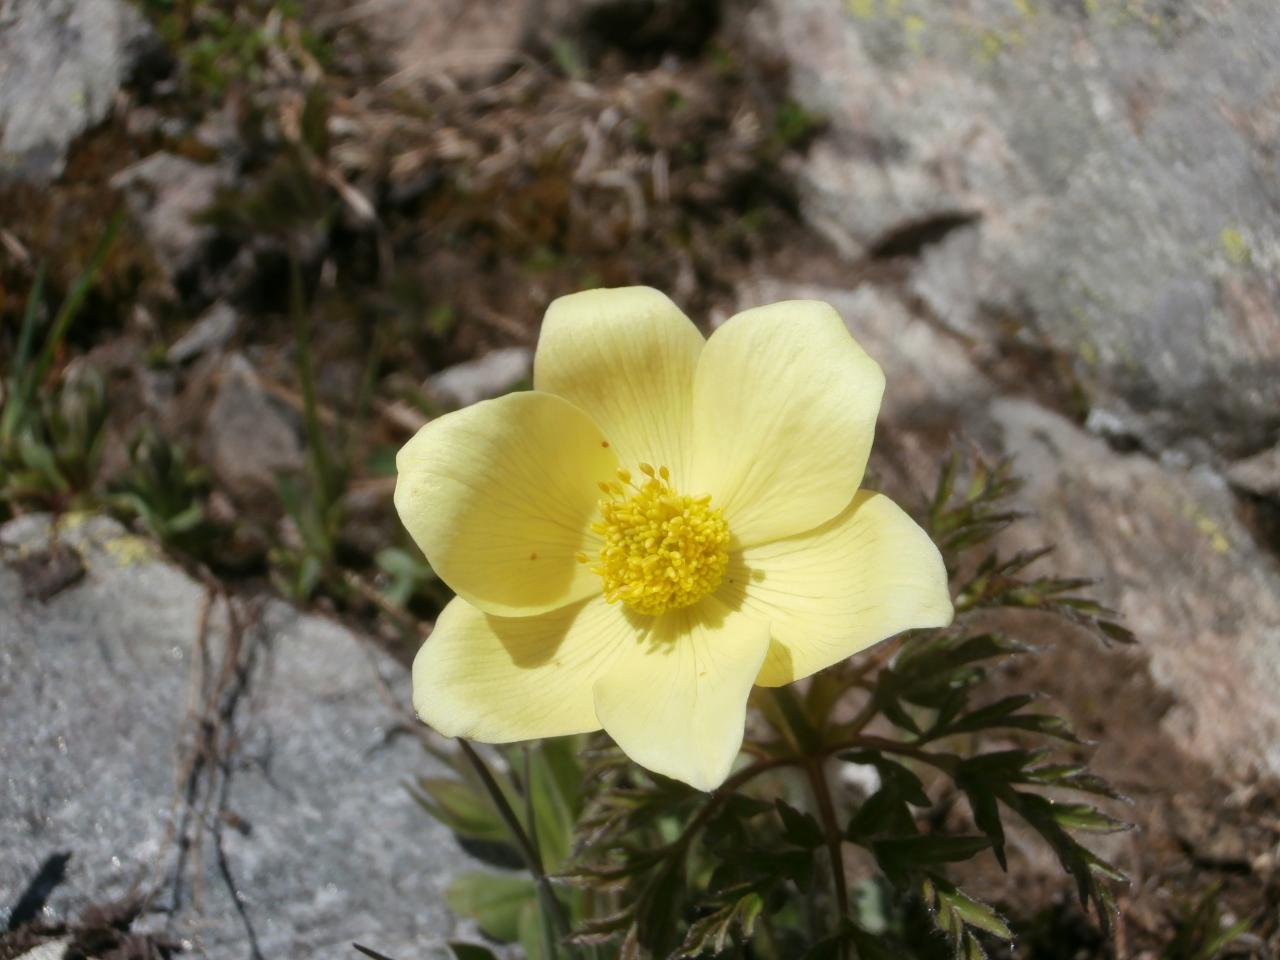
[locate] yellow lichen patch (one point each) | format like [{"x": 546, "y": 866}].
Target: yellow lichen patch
[
  {"x": 1234, "y": 245},
  {"x": 913, "y": 30},
  {"x": 662, "y": 550},
  {"x": 128, "y": 550},
  {"x": 1209, "y": 527},
  {"x": 71, "y": 520}
]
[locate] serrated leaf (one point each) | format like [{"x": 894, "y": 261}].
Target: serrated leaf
[
  {"x": 926, "y": 849},
  {"x": 1070, "y": 776},
  {"x": 658, "y": 908},
  {"x": 1001, "y": 766},
  {"x": 975, "y": 913},
  {"x": 1079, "y": 816},
  {"x": 971, "y": 949},
  {"x": 986, "y": 816},
  {"x": 493, "y": 900},
  {"x": 799, "y": 828},
  {"x": 1116, "y": 632},
  {"x": 987, "y": 716},
  {"x": 883, "y": 813},
  {"x": 909, "y": 786},
  {"x": 598, "y": 930},
  {"x": 713, "y": 933}
]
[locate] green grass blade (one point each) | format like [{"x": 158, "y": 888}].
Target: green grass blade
[{"x": 20, "y": 384}]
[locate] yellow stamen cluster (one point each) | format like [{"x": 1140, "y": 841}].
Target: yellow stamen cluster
[{"x": 662, "y": 550}]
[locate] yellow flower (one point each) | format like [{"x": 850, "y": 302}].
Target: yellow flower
[{"x": 662, "y": 522}]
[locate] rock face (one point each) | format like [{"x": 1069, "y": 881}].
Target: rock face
[
  {"x": 1165, "y": 540},
  {"x": 61, "y": 63},
  {"x": 1190, "y": 581},
  {"x": 454, "y": 38},
  {"x": 249, "y": 439},
  {"x": 1099, "y": 175},
  {"x": 165, "y": 194},
  {"x": 241, "y": 770},
  {"x": 497, "y": 372}
]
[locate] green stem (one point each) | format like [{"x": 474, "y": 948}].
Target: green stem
[
  {"x": 801, "y": 733},
  {"x": 555, "y": 924},
  {"x": 831, "y": 828},
  {"x": 310, "y": 405}
]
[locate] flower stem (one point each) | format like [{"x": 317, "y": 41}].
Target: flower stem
[
  {"x": 555, "y": 924},
  {"x": 801, "y": 733},
  {"x": 831, "y": 827}
]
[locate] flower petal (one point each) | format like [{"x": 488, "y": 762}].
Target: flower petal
[
  {"x": 864, "y": 576},
  {"x": 677, "y": 702},
  {"x": 785, "y": 405},
  {"x": 499, "y": 679},
  {"x": 627, "y": 357},
  {"x": 500, "y": 496}
]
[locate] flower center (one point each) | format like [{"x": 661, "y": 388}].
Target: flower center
[{"x": 662, "y": 550}]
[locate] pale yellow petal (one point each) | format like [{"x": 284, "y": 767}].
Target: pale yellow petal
[
  {"x": 860, "y": 578},
  {"x": 785, "y": 406},
  {"x": 501, "y": 495},
  {"x": 500, "y": 679},
  {"x": 677, "y": 702},
  {"x": 627, "y": 357}
]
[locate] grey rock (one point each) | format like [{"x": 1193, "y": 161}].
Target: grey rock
[
  {"x": 165, "y": 194},
  {"x": 1119, "y": 160},
  {"x": 211, "y": 332},
  {"x": 61, "y": 63},
  {"x": 462, "y": 39},
  {"x": 1163, "y": 536},
  {"x": 932, "y": 372},
  {"x": 488, "y": 376},
  {"x": 179, "y": 759},
  {"x": 1258, "y": 474},
  {"x": 1174, "y": 559},
  {"x": 249, "y": 439},
  {"x": 470, "y": 41}
]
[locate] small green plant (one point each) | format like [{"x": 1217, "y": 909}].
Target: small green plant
[
  {"x": 1203, "y": 934},
  {"x": 164, "y": 491},
  {"x": 648, "y": 867},
  {"x": 222, "y": 43},
  {"x": 313, "y": 503},
  {"x": 51, "y": 432}
]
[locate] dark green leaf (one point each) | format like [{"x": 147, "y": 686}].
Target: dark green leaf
[
  {"x": 871, "y": 947},
  {"x": 659, "y": 906},
  {"x": 800, "y": 828},
  {"x": 470, "y": 951},
  {"x": 986, "y": 815},
  {"x": 926, "y": 849},
  {"x": 714, "y": 932}
]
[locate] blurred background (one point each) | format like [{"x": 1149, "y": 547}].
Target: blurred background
[{"x": 248, "y": 247}]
